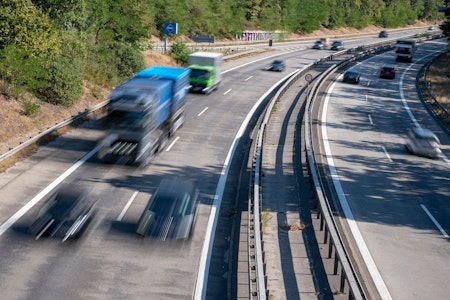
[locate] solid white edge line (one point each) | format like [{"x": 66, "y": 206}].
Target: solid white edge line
[
  {"x": 5, "y": 226},
  {"x": 173, "y": 143},
  {"x": 127, "y": 206},
  {"x": 436, "y": 223},
  {"x": 365, "y": 253}
]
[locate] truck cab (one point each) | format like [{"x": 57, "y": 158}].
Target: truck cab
[{"x": 206, "y": 71}]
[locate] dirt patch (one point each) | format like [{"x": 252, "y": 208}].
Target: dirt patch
[{"x": 439, "y": 78}]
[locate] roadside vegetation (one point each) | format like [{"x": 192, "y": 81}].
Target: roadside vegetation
[{"x": 56, "y": 55}]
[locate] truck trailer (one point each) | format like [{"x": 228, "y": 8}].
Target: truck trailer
[
  {"x": 143, "y": 113},
  {"x": 404, "y": 49},
  {"x": 206, "y": 71}
]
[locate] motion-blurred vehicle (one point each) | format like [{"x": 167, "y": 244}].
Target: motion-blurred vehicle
[
  {"x": 65, "y": 214},
  {"x": 337, "y": 45},
  {"x": 318, "y": 45},
  {"x": 321, "y": 44},
  {"x": 423, "y": 142},
  {"x": 404, "y": 49},
  {"x": 351, "y": 77},
  {"x": 383, "y": 34},
  {"x": 170, "y": 212},
  {"x": 431, "y": 28},
  {"x": 143, "y": 114},
  {"x": 277, "y": 65},
  {"x": 206, "y": 71},
  {"x": 387, "y": 72}
]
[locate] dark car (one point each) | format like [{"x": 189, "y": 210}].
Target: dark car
[
  {"x": 352, "y": 77},
  {"x": 65, "y": 214},
  {"x": 383, "y": 34},
  {"x": 337, "y": 45},
  {"x": 319, "y": 45},
  {"x": 278, "y": 65},
  {"x": 387, "y": 72},
  {"x": 170, "y": 212}
]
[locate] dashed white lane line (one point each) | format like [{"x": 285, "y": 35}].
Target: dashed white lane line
[
  {"x": 433, "y": 219},
  {"x": 386, "y": 153},
  {"x": 227, "y": 92},
  {"x": 127, "y": 206},
  {"x": 201, "y": 113},
  {"x": 248, "y": 78},
  {"x": 173, "y": 143}
]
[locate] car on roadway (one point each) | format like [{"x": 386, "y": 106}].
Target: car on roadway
[
  {"x": 383, "y": 34},
  {"x": 423, "y": 142},
  {"x": 337, "y": 45},
  {"x": 278, "y": 65},
  {"x": 319, "y": 45},
  {"x": 387, "y": 71},
  {"x": 65, "y": 214},
  {"x": 351, "y": 77},
  {"x": 170, "y": 212},
  {"x": 431, "y": 28}
]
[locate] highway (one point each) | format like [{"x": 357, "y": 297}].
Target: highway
[
  {"x": 110, "y": 260},
  {"x": 396, "y": 205}
]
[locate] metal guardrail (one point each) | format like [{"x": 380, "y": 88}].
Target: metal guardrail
[
  {"x": 427, "y": 96},
  {"x": 332, "y": 236}
]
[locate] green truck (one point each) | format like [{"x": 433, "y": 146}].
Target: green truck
[{"x": 206, "y": 71}]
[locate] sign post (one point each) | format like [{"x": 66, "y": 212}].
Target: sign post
[
  {"x": 169, "y": 28},
  {"x": 308, "y": 78}
]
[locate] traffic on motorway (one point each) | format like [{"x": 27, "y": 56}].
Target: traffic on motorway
[{"x": 113, "y": 258}]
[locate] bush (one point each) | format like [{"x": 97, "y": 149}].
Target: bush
[
  {"x": 30, "y": 108},
  {"x": 64, "y": 83},
  {"x": 180, "y": 52},
  {"x": 20, "y": 71},
  {"x": 110, "y": 64}
]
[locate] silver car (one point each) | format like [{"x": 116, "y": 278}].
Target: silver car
[{"x": 423, "y": 142}]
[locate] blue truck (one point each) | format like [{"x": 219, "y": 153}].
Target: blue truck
[{"x": 143, "y": 113}]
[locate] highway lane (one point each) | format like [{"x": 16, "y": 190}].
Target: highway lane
[
  {"x": 385, "y": 190},
  {"x": 110, "y": 261}
]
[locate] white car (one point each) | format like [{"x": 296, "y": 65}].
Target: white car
[{"x": 423, "y": 142}]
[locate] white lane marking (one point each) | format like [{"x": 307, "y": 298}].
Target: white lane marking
[
  {"x": 173, "y": 143},
  {"x": 405, "y": 104},
  {"x": 248, "y": 78},
  {"x": 386, "y": 153},
  {"x": 370, "y": 119},
  {"x": 368, "y": 83},
  {"x": 127, "y": 206},
  {"x": 436, "y": 223},
  {"x": 370, "y": 263},
  {"x": 367, "y": 97},
  {"x": 5, "y": 226},
  {"x": 201, "y": 113},
  {"x": 227, "y": 91}
]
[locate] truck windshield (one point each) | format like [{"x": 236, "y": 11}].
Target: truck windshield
[
  {"x": 201, "y": 74},
  {"x": 128, "y": 119},
  {"x": 403, "y": 50}
]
